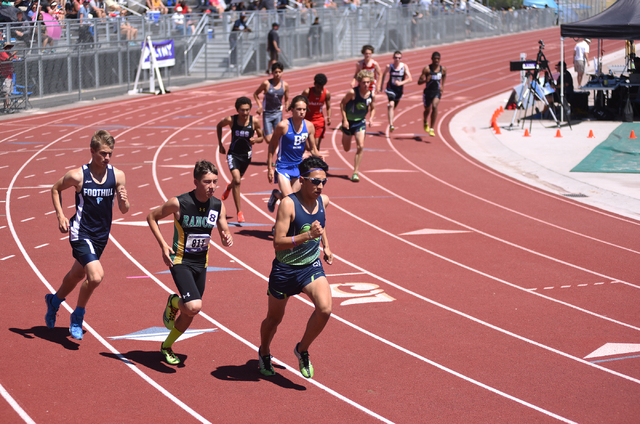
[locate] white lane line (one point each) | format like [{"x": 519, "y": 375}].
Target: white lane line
[
  {"x": 18, "y": 242},
  {"x": 154, "y": 168},
  {"x": 16, "y": 407}
]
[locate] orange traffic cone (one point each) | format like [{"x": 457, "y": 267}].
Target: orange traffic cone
[
  {"x": 526, "y": 133},
  {"x": 632, "y": 135},
  {"x": 591, "y": 134},
  {"x": 501, "y": 109},
  {"x": 558, "y": 135},
  {"x": 497, "y": 129}
]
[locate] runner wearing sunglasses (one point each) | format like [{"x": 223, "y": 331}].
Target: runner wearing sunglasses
[{"x": 300, "y": 226}]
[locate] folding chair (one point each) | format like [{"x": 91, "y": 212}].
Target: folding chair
[{"x": 21, "y": 95}]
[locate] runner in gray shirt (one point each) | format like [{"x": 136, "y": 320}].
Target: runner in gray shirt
[{"x": 276, "y": 97}]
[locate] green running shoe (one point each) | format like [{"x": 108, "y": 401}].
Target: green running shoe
[
  {"x": 169, "y": 314},
  {"x": 305, "y": 365},
  {"x": 264, "y": 364},
  {"x": 169, "y": 356}
]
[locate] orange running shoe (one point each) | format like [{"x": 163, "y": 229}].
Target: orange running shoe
[
  {"x": 240, "y": 217},
  {"x": 226, "y": 192}
]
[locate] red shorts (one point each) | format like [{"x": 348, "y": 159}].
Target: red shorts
[{"x": 320, "y": 128}]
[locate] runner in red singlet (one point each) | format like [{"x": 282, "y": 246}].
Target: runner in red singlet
[
  {"x": 318, "y": 96},
  {"x": 368, "y": 64}
]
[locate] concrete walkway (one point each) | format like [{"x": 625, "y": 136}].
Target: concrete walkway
[{"x": 545, "y": 161}]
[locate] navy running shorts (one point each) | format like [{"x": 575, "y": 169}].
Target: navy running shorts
[
  {"x": 354, "y": 127},
  {"x": 86, "y": 250},
  {"x": 427, "y": 98},
  {"x": 238, "y": 162},
  {"x": 189, "y": 281},
  {"x": 288, "y": 280},
  {"x": 393, "y": 96}
]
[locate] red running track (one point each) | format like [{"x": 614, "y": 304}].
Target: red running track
[{"x": 460, "y": 295}]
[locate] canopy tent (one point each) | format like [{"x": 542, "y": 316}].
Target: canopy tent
[
  {"x": 621, "y": 21},
  {"x": 540, "y": 4}
]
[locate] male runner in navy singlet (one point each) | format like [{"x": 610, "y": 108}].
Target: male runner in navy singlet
[
  {"x": 300, "y": 226},
  {"x": 195, "y": 214},
  {"x": 97, "y": 184},
  {"x": 245, "y": 132},
  {"x": 433, "y": 76}
]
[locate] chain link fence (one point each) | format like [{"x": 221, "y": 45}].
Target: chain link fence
[{"x": 99, "y": 58}]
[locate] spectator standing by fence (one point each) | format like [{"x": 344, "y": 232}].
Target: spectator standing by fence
[
  {"x": 314, "y": 37},
  {"x": 240, "y": 25},
  {"x": 273, "y": 45}
]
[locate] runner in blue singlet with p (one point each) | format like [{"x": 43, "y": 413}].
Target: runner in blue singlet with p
[{"x": 290, "y": 138}]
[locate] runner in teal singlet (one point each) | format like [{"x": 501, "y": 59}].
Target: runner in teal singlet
[
  {"x": 354, "y": 108},
  {"x": 300, "y": 227}
]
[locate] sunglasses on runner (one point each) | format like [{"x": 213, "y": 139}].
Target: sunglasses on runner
[{"x": 316, "y": 181}]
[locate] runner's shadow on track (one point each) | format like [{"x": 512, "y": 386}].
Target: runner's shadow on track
[
  {"x": 416, "y": 138},
  {"x": 59, "y": 335},
  {"x": 152, "y": 360},
  {"x": 344, "y": 177},
  {"x": 249, "y": 372},
  {"x": 261, "y": 234}
]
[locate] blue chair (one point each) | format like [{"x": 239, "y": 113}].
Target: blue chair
[{"x": 20, "y": 95}]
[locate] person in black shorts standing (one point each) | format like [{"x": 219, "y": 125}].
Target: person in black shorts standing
[
  {"x": 273, "y": 45},
  {"x": 300, "y": 226},
  {"x": 243, "y": 128},
  {"x": 399, "y": 75},
  {"x": 97, "y": 184},
  {"x": 195, "y": 214},
  {"x": 433, "y": 77}
]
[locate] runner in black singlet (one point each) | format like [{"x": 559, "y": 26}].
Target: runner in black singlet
[
  {"x": 433, "y": 76},
  {"x": 195, "y": 214},
  {"x": 245, "y": 132}
]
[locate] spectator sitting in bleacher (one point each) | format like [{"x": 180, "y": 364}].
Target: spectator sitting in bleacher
[
  {"x": 55, "y": 10},
  {"x": 253, "y": 5},
  {"x": 23, "y": 5},
  {"x": 6, "y": 73},
  {"x": 44, "y": 37},
  {"x": 178, "y": 20},
  {"x": 184, "y": 7},
  {"x": 21, "y": 30},
  {"x": 157, "y": 6},
  {"x": 125, "y": 27},
  {"x": 98, "y": 8},
  {"x": 217, "y": 5},
  {"x": 329, "y": 3},
  {"x": 112, "y": 6},
  {"x": 32, "y": 11},
  {"x": 72, "y": 8}
]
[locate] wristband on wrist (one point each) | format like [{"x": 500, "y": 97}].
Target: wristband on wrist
[
  {"x": 309, "y": 234},
  {"x": 293, "y": 240}
]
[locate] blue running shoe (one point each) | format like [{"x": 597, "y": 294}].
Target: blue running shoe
[
  {"x": 76, "y": 327},
  {"x": 52, "y": 311}
]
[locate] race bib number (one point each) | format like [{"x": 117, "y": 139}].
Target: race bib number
[
  {"x": 212, "y": 218},
  {"x": 197, "y": 243}
]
